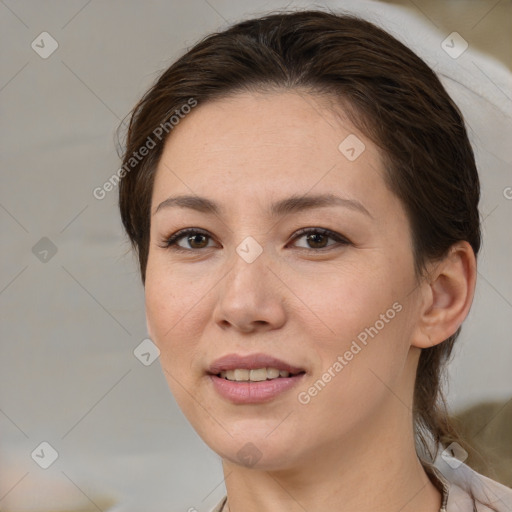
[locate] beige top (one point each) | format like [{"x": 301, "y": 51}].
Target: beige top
[{"x": 462, "y": 490}]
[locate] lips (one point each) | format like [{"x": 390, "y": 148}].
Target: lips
[{"x": 251, "y": 362}]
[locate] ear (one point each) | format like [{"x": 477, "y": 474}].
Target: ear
[{"x": 447, "y": 296}]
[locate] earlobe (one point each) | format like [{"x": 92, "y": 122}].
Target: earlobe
[{"x": 448, "y": 296}]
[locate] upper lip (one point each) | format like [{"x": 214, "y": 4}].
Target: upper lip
[{"x": 250, "y": 362}]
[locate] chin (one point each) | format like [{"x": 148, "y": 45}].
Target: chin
[{"x": 254, "y": 451}]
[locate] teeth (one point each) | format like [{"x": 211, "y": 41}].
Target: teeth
[
  {"x": 272, "y": 373},
  {"x": 257, "y": 375},
  {"x": 241, "y": 374}
]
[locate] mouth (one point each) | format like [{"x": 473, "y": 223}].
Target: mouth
[
  {"x": 255, "y": 374},
  {"x": 252, "y": 368},
  {"x": 254, "y": 378}
]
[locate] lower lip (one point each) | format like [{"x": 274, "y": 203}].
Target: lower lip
[{"x": 253, "y": 392}]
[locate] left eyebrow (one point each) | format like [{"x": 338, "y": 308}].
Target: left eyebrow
[{"x": 293, "y": 204}]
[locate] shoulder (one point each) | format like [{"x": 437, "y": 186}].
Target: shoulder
[{"x": 469, "y": 491}]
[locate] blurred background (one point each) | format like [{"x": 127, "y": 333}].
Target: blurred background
[{"x": 86, "y": 422}]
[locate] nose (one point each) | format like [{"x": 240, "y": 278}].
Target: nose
[{"x": 251, "y": 296}]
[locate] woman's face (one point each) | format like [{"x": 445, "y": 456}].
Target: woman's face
[{"x": 340, "y": 307}]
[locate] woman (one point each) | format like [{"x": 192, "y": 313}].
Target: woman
[{"x": 303, "y": 199}]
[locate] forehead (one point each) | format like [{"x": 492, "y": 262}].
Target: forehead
[{"x": 252, "y": 143}]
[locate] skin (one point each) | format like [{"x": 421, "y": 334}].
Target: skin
[{"x": 352, "y": 446}]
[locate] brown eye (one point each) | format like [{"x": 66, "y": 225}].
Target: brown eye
[
  {"x": 317, "y": 238},
  {"x": 193, "y": 238}
]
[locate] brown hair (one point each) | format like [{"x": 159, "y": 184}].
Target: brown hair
[{"x": 389, "y": 94}]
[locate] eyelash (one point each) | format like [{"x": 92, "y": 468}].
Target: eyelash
[{"x": 171, "y": 241}]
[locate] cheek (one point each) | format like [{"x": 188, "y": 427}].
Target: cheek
[
  {"x": 171, "y": 294},
  {"x": 172, "y": 313},
  {"x": 169, "y": 323},
  {"x": 357, "y": 377},
  {"x": 366, "y": 321},
  {"x": 350, "y": 299}
]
